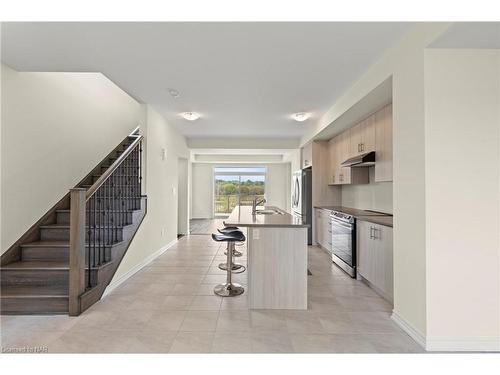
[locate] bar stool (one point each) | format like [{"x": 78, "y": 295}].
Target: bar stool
[
  {"x": 229, "y": 289},
  {"x": 227, "y": 230}
]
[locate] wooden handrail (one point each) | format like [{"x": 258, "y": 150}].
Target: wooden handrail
[{"x": 113, "y": 166}]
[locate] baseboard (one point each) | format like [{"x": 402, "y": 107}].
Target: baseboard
[
  {"x": 409, "y": 329},
  {"x": 465, "y": 344},
  {"x": 116, "y": 283},
  {"x": 444, "y": 344}
]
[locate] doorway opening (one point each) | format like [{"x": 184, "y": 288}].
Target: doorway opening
[{"x": 235, "y": 186}]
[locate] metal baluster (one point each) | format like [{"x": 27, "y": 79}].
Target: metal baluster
[
  {"x": 94, "y": 230},
  {"x": 124, "y": 193},
  {"x": 101, "y": 224},
  {"x": 115, "y": 216},
  {"x": 127, "y": 166},
  {"x": 133, "y": 179},
  {"x": 128, "y": 183},
  {"x": 120, "y": 193},
  {"x": 136, "y": 172},
  {"x": 137, "y": 161},
  {"x": 112, "y": 203},
  {"x": 89, "y": 232},
  {"x": 140, "y": 168},
  {"x": 106, "y": 210}
]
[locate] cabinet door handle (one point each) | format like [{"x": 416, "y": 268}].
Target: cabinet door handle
[
  {"x": 362, "y": 147},
  {"x": 371, "y": 233},
  {"x": 358, "y": 147}
]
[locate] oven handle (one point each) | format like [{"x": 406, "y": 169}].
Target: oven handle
[{"x": 340, "y": 224}]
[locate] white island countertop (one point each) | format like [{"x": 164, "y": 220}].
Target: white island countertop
[{"x": 242, "y": 217}]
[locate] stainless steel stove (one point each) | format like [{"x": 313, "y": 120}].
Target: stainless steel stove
[
  {"x": 344, "y": 241},
  {"x": 343, "y": 228}
]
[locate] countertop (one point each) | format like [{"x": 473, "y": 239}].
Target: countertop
[
  {"x": 382, "y": 220},
  {"x": 364, "y": 215},
  {"x": 242, "y": 217},
  {"x": 351, "y": 211}
]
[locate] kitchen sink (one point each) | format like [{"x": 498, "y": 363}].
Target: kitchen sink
[{"x": 268, "y": 212}]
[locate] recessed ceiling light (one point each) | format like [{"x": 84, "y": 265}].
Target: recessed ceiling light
[
  {"x": 190, "y": 116},
  {"x": 174, "y": 93},
  {"x": 301, "y": 116}
]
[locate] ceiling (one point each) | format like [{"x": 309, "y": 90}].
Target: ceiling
[
  {"x": 244, "y": 78},
  {"x": 480, "y": 35}
]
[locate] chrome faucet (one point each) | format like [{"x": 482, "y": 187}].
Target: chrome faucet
[{"x": 255, "y": 203}]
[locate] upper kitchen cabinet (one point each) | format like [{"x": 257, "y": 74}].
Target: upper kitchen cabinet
[
  {"x": 334, "y": 170},
  {"x": 372, "y": 134},
  {"x": 362, "y": 137},
  {"x": 383, "y": 144},
  {"x": 307, "y": 155},
  {"x": 340, "y": 150}
]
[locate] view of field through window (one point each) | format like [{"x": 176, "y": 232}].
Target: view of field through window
[{"x": 237, "y": 186}]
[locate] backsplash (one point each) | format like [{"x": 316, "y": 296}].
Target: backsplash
[{"x": 375, "y": 196}]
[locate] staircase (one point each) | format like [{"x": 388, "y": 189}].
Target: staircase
[{"x": 64, "y": 262}]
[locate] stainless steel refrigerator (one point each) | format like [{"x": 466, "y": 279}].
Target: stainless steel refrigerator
[{"x": 302, "y": 198}]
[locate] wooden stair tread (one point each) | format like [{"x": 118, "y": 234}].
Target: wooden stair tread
[
  {"x": 118, "y": 211},
  {"x": 36, "y": 265},
  {"x": 60, "y": 244},
  {"x": 32, "y": 292},
  {"x": 66, "y": 226},
  {"x": 46, "y": 244}
]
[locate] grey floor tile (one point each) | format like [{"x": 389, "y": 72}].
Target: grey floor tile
[
  {"x": 200, "y": 321},
  {"x": 192, "y": 342},
  {"x": 170, "y": 307}
]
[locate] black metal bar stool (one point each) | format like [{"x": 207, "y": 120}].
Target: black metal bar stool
[
  {"x": 229, "y": 289},
  {"x": 227, "y": 230}
]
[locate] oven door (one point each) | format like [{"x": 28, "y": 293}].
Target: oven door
[{"x": 343, "y": 237}]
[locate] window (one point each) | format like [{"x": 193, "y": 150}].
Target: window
[{"x": 237, "y": 186}]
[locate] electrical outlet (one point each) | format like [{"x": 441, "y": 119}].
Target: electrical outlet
[{"x": 163, "y": 154}]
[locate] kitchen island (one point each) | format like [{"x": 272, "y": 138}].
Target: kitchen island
[{"x": 277, "y": 257}]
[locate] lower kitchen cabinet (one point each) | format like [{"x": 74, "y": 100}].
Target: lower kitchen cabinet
[
  {"x": 323, "y": 229},
  {"x": 375, "y": 258}
]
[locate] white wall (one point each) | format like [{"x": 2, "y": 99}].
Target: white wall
[
  {"x": 375, "y": 196},
  {"x": 55, "y": 128},
  {"x": 405, "y": 63},
  {"x": 183, "y": 196},
  {"x": 159, "y": 227},
  {"x": 202, "y": 191},
  {"x": 278, "y": 188},
  {"x": 462, "y": 121}
]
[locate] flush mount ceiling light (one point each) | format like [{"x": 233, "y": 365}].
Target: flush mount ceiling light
[
  {"x": 174, "y": 93},
  {"x": 301, "y": 116},
  {"x": 190, "y": 116}
]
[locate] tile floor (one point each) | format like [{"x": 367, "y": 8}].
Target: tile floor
[
  {"x": 169, "y": 307},
  {"x": 205, "y": 226}
]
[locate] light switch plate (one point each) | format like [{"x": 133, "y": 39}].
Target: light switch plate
[{"x": 255, "y": 234}]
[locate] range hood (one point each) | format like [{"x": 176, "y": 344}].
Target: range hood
[{"x": 363, "y": 160}]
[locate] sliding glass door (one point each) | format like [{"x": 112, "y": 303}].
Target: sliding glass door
[{"x": 237, "y": 186}]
